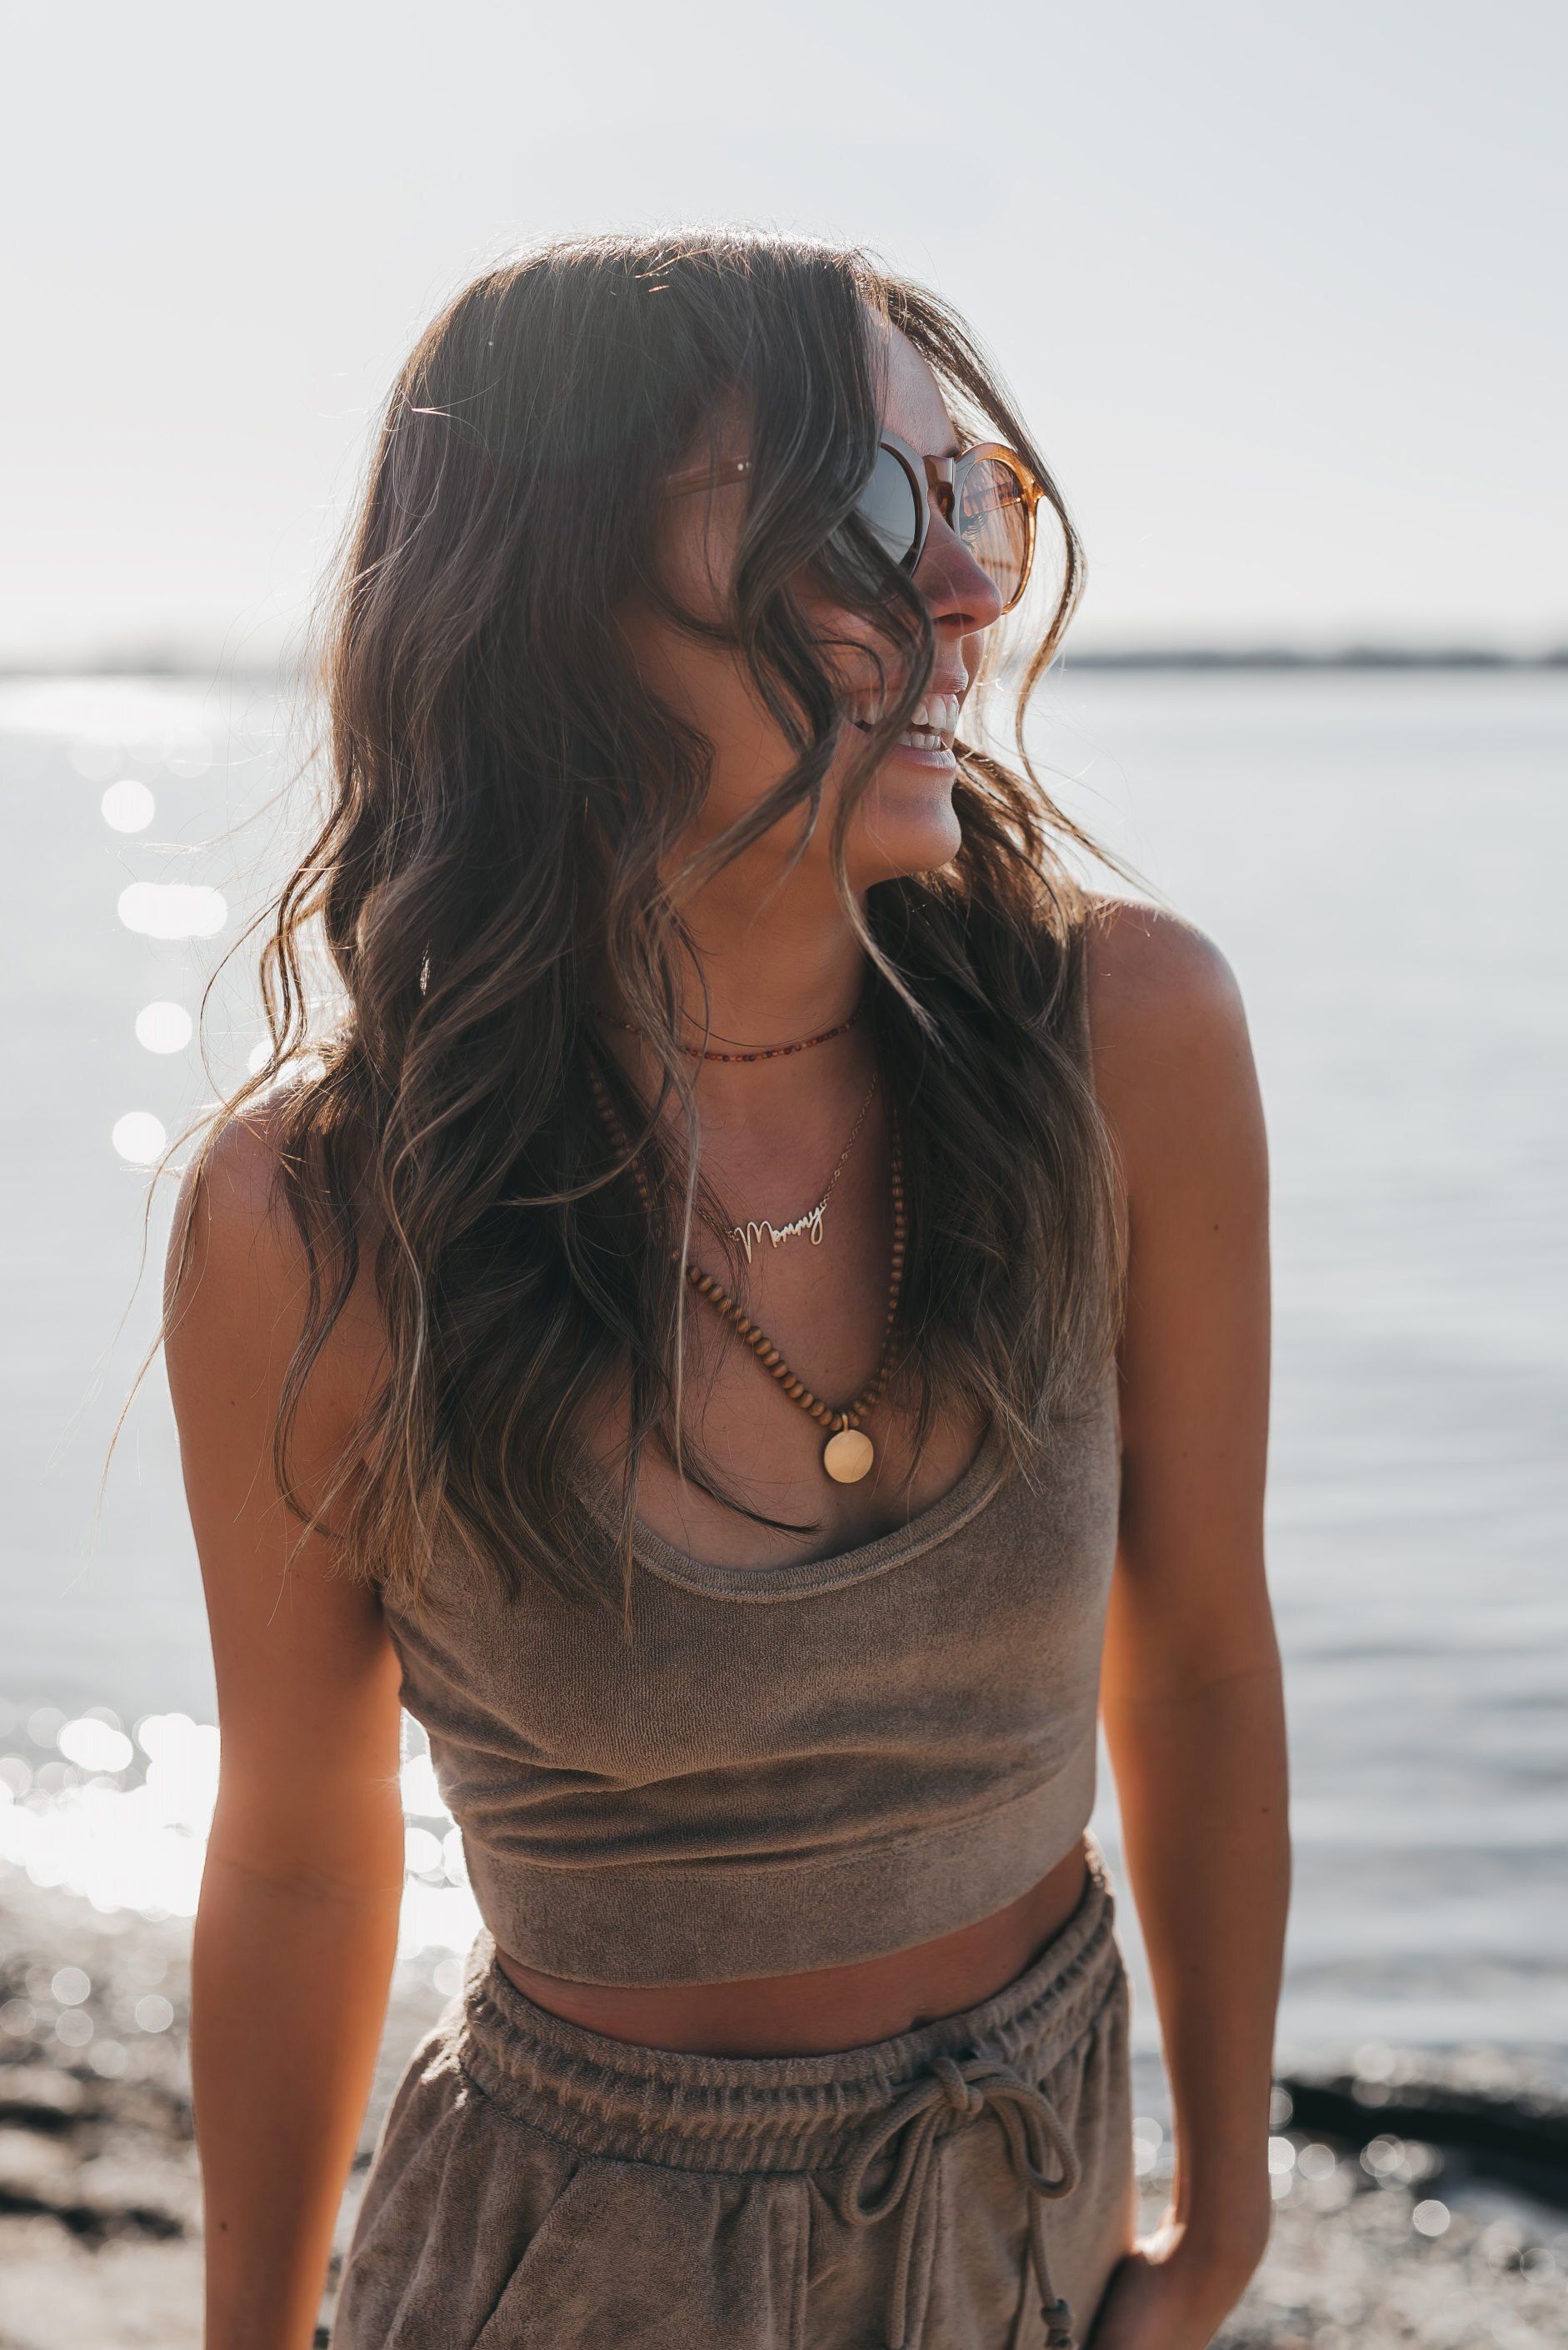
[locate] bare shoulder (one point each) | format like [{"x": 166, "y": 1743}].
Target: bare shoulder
[
  {"x": 1172, "y": 1055},
  {"x": 237, "y": 1274},
  {"x": 1149, "y": 966},
  {"x": 232, "y": 1236}
]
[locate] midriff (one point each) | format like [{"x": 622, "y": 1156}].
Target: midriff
[{"x": 827, "y": 2009}]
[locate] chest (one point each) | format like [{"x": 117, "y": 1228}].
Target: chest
[
  {"x": 819, "y": 1309},
  {"x": 976, "y": 1627}
]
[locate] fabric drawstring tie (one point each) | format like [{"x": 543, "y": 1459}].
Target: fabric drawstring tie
[{"x": 961, "y": 2089}]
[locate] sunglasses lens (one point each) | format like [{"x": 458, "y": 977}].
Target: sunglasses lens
[
  {"x": 994, "y": 519},
  {"x": 889, "y": 507}
]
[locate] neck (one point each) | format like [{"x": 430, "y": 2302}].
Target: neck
[{"x": 783, "y": 973}]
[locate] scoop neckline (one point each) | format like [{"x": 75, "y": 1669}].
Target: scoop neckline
[{"x": 963, "y": 1499}]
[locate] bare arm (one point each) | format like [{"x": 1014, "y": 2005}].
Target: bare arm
[
  {"x": 1192, "y": 1701},
  {"x": 297, "y": 1928}
]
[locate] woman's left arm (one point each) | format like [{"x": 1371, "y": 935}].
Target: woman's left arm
[{"x": 1193, "y": 1700}]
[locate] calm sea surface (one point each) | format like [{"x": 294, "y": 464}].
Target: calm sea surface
[{"x": 1380, "y": 856}]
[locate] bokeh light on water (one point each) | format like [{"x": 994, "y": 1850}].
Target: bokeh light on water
[
  {"x": 94, "y": 1745},
  {"x": 121, "y": 1820},
  {"x": 138, "y": 1137},
  {"x": 172, "y": 909},
  {"x": 163, "y": 1028},
  {"x": 128, "y": 806},
  {"x": 96, "y": 758}
]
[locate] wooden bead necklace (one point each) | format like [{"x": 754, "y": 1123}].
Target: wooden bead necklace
[{"x": 849, "y": 1453}]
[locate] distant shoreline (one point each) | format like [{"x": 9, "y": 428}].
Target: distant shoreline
[
  {"x": 1206, "y": 659},
  {"x": 1346, "y": 657}
]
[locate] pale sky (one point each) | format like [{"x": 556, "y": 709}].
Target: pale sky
[{"x": 1278, "y": 287}]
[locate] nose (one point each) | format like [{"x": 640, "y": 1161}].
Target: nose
[{"x": 961, "y": 595}]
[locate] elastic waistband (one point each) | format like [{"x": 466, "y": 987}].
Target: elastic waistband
[{"x": 632, "y": 2103}]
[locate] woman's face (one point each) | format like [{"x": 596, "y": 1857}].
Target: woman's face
[{"x": 905, "y": 822}]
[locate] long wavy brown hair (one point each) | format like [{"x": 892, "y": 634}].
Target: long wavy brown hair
[{"x": 504, "y": 809}]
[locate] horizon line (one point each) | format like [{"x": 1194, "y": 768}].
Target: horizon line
[{"x": 176, "y": 661}]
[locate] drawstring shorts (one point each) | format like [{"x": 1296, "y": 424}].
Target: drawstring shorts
[{"x": 968, "y": 2184}]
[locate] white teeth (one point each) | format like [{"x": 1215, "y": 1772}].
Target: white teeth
[{"x": 936, "y": 716}]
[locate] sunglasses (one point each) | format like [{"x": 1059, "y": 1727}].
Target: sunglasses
[{"x": 986, "y": 495}]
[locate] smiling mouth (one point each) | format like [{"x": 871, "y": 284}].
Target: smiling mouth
[{"x": 932, "y": 725}]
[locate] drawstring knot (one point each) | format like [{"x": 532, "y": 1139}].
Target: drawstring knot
[
  {"x": 957, "y": 2091},
  {"x": 961, "y": 2093}
]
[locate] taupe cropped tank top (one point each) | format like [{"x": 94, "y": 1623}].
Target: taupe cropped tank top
[{"x": 784, "y": 1767}]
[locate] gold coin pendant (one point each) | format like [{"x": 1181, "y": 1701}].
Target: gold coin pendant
[{"x": 847, "y": 1456}]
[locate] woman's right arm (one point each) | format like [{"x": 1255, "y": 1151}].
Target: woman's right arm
[{"x": 296, "y": 1929}]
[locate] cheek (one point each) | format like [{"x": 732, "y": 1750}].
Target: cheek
[
  {"x": 750, "y": 753},
  {"x": 703, "y": 685},
  {"x": 712, "y": 691}
]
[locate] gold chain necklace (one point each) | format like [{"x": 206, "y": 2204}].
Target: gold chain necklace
[
  {"x": 849, "y": 1451},
  {"x": 759, "y": 1228}
]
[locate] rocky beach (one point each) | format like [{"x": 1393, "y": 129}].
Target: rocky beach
[{"x": 1421, "y": 2198}]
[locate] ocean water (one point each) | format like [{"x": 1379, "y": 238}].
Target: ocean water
[{"x": 1379, "y": 856}]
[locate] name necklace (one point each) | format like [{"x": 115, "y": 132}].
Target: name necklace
[
  {"x": 759, "y": 1228},
  {"x": 849, "y": 1452}
]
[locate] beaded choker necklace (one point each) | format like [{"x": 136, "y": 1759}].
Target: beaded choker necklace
[{"x": 751, "y": 1052}]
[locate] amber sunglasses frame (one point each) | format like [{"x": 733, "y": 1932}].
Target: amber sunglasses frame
[{"x": 934, "y": 480}]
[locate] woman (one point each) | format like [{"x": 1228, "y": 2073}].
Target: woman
[{"x": 709, "y": 1330}]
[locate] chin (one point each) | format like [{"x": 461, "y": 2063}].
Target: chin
[{"x": 905, "y": 826}]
